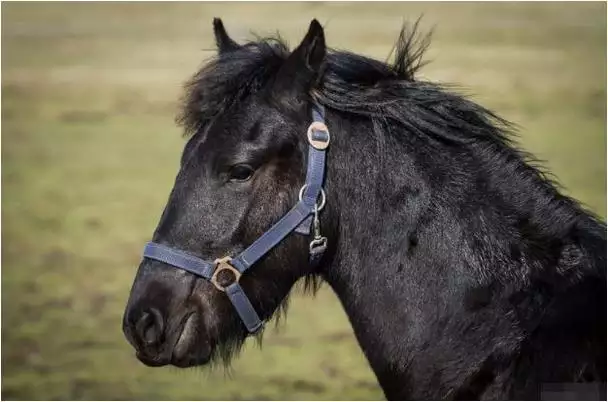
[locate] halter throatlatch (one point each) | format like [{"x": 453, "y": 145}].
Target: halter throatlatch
[{"x": 303, "y": 216}]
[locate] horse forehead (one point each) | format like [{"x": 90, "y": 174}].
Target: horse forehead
[
  {"x": 250, "y": 124},
  {"x": 242, "y": 118}
]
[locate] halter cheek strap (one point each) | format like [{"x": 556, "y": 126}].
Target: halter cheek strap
[{"x": 303, "y": 216}]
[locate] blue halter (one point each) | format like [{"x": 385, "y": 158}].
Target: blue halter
[{"x": 299, "y": 219}]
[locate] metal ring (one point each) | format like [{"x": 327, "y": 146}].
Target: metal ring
[{"x": 319, "y": 207}]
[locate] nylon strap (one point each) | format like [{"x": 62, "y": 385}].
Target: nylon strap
[
  {"x": 243, "y": 307},
  {"x": 272, "y": 237},
  {"x": 315, "y": 171},
  {"x": 179, "y": 259}
]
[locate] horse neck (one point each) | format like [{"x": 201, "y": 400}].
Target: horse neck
[
  {"x": 411, "y": 266},
  {"x": 376, "y": 200}
]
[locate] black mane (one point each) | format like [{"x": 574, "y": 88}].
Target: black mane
[{"x": 351, "y": 83}]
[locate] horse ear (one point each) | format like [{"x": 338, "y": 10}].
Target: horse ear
[
  {"x": 222, "y": 40},
  {"x": 302, "y": 69}
]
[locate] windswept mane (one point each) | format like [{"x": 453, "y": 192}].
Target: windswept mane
[{"x": 351, "y": 83}]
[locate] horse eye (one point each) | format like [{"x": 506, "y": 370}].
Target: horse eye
[{"x": 240, "y": 173}]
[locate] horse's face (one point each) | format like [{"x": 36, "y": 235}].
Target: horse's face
[{"x": 238, "y": 175}]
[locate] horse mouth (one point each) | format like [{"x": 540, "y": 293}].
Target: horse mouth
[{"x": 186, "y": 353}]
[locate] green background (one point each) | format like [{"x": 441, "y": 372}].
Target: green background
[{"x": 90, "y": 150}]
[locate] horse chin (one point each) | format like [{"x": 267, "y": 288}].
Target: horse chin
[
  {"x": 189, "y": 349},
  {"x": 191, "y": 361}
]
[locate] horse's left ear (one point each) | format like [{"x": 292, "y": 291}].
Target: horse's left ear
[
  {"x": 222, "y": 40},
  {"x": 303, "y": 68}
]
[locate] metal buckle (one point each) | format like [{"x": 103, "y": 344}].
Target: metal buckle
[
  {"x": 222, "y": 265},
  {"x": 315, "y": 142},
  {"x": 318, "y": 246}
]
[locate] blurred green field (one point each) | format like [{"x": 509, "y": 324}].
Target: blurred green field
[{"x": 90, "y": 150}]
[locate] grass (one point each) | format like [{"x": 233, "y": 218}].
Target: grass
[{"x": 90, "y": 150}]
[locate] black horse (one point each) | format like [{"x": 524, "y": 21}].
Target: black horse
[{"x": 464, "y": 272}]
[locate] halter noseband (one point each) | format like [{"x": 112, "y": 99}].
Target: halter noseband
[{"x": 299, "y": 219}]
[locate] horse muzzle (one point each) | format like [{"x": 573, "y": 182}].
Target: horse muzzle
[{"x": 163, "y": 325}]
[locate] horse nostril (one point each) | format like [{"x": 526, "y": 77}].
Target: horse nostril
[{"x": 150, "y": 327}]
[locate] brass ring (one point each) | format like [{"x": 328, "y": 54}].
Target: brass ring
[
  {"x": 318, "y": 126},
  {"x": 222, "y": 265}
]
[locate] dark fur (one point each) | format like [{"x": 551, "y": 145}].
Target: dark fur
[{"x": 464, "y": 271}]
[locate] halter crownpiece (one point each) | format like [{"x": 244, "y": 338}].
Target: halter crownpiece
[{"x": 303, "y": 216}]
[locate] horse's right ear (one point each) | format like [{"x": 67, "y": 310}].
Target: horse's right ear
[{"x": 222, "y": 40}]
